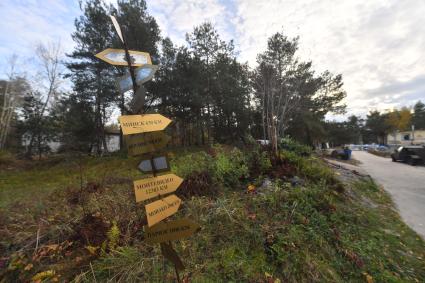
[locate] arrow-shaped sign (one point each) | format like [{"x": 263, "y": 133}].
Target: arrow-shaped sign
[
  {"x": 144, "y": 143},
  {"x": 143, "y": 74},
  {"x": 160, "y": 163},
  {"x": 161, "y": 209},
  {"x": 156, "y": 186},
  {"x": 170, "y": 231},
  {"x": 135, "y": 124},
  {"x": 169, "y": 253},
  {"x": 117, "y": 57},
  {"x": 117, "y": 28}
]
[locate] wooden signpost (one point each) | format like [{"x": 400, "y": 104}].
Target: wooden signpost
[
  {"x": 117, "y": 57},
  {"x": 169, "y": 253},
  {"x": 160, "y": 163},
  {"x": 138, "y": 100},
  {"x": 161, "y": 209},
  {"x": 156, "y": 186},
  {"x": 117, "y": 28},
  {"x": 143, "y": 134},
  {"x": 170, "y": 231},
  {"x": 144, "y": 143},
  {"x": 136, "y": 124}
]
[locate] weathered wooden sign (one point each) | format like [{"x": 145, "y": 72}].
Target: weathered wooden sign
[
  {"x": 118, "y": 57},
  {"x": 160, "y": 163},
  {"x": 143, "y": 74},
  {"x": 169, "y": 253},
  {"x": 138, "y": 100},
  {"x": 117, "y": 28},
  {"x": 148, "y": 142},
  {"x": 170, "y": 231},
  {"x": 156, "y": 186},
  {"x": 135, "y": 124},
  {"x": 143, "y": 134},
  {"x": 161, "y": 209}
]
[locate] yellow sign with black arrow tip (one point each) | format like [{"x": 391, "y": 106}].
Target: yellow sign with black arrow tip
[
  {"x": 135, "y": 124},
  {"x": 156, "y": 186},
  {"x": 170, "y": 231},
  {"x": 161, "y": 209},
  {"x": 147, "y": 142}
]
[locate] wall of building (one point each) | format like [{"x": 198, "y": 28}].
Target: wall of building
[
  {"x": 406, "y": 137},
  {"x": 112, "y": 141}
]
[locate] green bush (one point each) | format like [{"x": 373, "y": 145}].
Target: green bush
[
  {"x": 187, "y": 165},
  {"x": 291, "y": 145},
  {"x": 225, "y": 168},
  {"x": 309, "y": 168},
  {"x": 229, "y": 167},
  {"x": 258, "y": 161}
]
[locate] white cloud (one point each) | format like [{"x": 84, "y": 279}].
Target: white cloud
[
  {"x": 378, "y": 45},
  {"x": 28, "y": 23},
  {"x": 375, "y": 44},
  {"x": 372, "y": 43},
  {"x": 176, "y": 18}
]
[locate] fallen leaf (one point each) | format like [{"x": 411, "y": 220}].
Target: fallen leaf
[
  {"x": 29, "y": 266},
  {"x": 92, "y": 250}
]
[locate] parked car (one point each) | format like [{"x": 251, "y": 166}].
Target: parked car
[
  {"x": 382, "y": 148},
  {"x": 410, "y": 154}
]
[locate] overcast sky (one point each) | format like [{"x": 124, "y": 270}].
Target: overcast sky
[{"x": 377, "y": 45}]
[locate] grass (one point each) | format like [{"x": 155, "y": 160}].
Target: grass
[
  {"x": 21, "y": 180},
  {"x": 44, "y": 177},
  {"x": 319, "y": 231}
]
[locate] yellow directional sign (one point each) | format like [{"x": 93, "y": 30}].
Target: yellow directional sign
[
  {"x": 170, "y": 231},
  {"x": 117, "y": 57},
  {"x": 161, "y": 209},
  {"x": 156, "y": 186},
  {"x": 135, "y": 124},
  {"x": 147, "y": 142},
  {"x": 117, "y": 28},
  {"x": 169, "y": 253}
]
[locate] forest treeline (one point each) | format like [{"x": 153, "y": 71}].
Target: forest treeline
[{"x": 211, "y": 96}]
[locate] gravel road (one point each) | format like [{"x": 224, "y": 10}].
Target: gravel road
[{"x": 405, "y": 183}]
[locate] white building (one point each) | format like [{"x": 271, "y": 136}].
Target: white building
[{"x": 407, "y": 137}]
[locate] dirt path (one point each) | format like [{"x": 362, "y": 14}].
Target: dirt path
[{"x": 405, "y": 183}]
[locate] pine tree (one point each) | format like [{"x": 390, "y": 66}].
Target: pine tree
[
  {"x": 418, "y": 119},
  {"x": 93, "y": 79}
]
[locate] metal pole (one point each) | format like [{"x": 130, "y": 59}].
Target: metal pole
[{"x": 413, "y": 134}]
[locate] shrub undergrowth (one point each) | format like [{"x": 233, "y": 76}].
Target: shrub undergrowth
[{"x": 309, "y": 231}]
